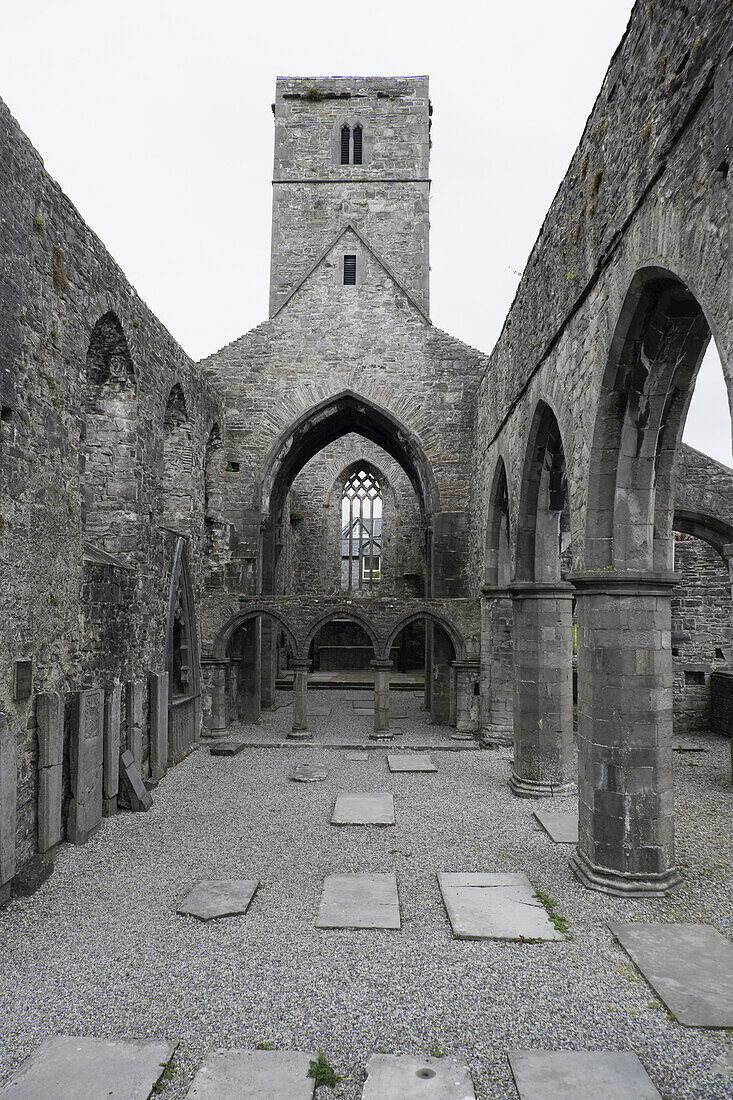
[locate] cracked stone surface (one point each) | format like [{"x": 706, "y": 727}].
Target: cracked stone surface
[
  {"x": 496, "y": 907},
  {"x": 214, "y": 898}
]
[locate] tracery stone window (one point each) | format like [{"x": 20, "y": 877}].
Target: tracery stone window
[
  {"x": 361, "y": 535},
  {"x": 352, "y": 144}
]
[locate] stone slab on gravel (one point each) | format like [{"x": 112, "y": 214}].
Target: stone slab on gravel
[
  {"x": 214, "y": 898},
  {"x": 67, "y": 1067},
  {"x": 254, "y": 1075},
  {"x": 363, "y": 809},
  {"x": 363, "y": 712},
  {"x": 319, "y": 712},
  {"x": 411, "y": 762},
  {"x": 359, "y": 901},
  {"x": 357, "y": 755},
  {"x": 580, "y": 1075},
  {"x": 689, "y": 966},
  {"x": 226, "y": 748},
  {"x": 495, "y": 907},
  {"x": 562, "y": 827},
  {"x": 402, "y": 1077},
  {"x": 308, "y": 773}
]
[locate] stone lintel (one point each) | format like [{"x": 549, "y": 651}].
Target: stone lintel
[{"x": 541, "y": 590}]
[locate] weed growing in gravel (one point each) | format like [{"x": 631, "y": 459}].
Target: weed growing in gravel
[
  {"x": 265, "y": 1045},
  {"x": 167, "y": 1075},
  {"x": 436, "y": 1051},
  {"x": 323, "y": 1073},
  {"x": 560, "y": 922}
]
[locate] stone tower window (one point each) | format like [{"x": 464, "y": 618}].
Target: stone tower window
[
  {"x": 349, "y": 270},
  {"x": 346, "y": 144},
  {"x": 358, "y": 132},
  {"x": 361, "y": 535}
]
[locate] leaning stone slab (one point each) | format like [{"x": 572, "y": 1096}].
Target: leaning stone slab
[
  {"x": 402, "y": 1077},
  {"x": 214, "y": 898},
  {"x": 495, "y": 907},
  {"x": 158, "y": 683},
  {"x": 308, "y": 773},
  {"x": 134, "y": 791},
  {"x": 69, "y": 1068},
  {"x": 580, "y": 1075},
  {"x": 8, "y": 799},
  {"x": 226, "y": 748},
  {"x": 134, "y": 717},
  {"x": 363, "y": 809},
  {"x": 411, "y": 762},
  {"x": 86, "y": 752},
  {"x": 689, "y": 966},
  {"x": 50, "y": 723},
  {"x": 111, "y": 749},
  {"x": 359, "y": 901},
  {"x": 254, "y": 1075},
  {"x": 561, "y": 827}
]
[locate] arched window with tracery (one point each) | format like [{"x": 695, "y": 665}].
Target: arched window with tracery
[{"x": 361, "y": 532}]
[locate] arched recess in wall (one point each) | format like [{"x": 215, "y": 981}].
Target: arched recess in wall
[
  {"x": 655, "y": 354},
  {"x": 337, "y": 416},
  {"x": 497, "y": 557},
  {"x": 543, "y": 523},
  {"x": 177, "y": 471},
  {"x": 110, "y": 474},
  {"x": 182, "y": 659}
]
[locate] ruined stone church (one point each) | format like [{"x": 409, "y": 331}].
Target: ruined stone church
[{"x": 347, "y": 490}]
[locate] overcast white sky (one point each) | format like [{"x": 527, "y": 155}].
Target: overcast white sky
[{"x": 154, "y": 116}]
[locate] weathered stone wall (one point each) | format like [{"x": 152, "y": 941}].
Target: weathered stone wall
[
  {"x": 646, "y": 188},
  {"x": 721, "y": 703},
  {"x": 80, "y": 621},
  {"x": 702, "y": 633}
]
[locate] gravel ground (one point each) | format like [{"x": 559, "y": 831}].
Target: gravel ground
[{"x": 99, "y": 950}]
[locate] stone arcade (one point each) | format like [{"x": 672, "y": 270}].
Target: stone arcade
[{"x": 524, "y": 537}]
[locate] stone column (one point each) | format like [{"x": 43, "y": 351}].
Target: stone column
[
  {"x": 158, "y": 682},
  {"x": 111, "y": 773},
  {"x": 626, "y": 808},
  {"x": 497, "y": 714},
  {"x": 543, "y": 688},
  {"x": 300, "y": 698},
  {"x": 214, "y": 673},
  {"x": 441, "y": 676},
  {"x": 50, "y": 723},
  {"x": 381, "y": 668},
  {"x": 8, "y": 805},
  {"x": 86, "y": 757},
  {"x": 134, "y": 720},
  {"x": 467, "y": 674},
  {"x": 268, "y": 661}
]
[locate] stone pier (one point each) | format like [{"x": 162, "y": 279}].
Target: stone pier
[
  {"x": 467, "y": 675},
  {"x": 625, "y": 678},
  {"x": 300, "y": 698},
  {"x": 497, "y": 714},
  {"x": 543, "y": 688},
  {"x": 381, "y": 699}
]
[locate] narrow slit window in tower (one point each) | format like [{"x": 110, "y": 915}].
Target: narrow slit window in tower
[
  {"x": 357, "y": 144},
  {"x": 345, "y": 144},
  {"x": 349, "y": 270}
]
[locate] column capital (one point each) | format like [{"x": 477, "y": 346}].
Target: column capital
[
  {"x": 541, "y": 590},
  {"x": 620, "y": 582},
  {"x": 303, "y": 663},
  {"x": 383, "y": 664},
  {"x": 471, "y": 664},
  {"x": 496, "y": 591}
]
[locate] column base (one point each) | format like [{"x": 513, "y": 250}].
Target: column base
[
  {"x": 299, "y": 735},
  {"x": 387, "y": 736},
  {"x": 535, "y": 788},
  {"x": 622, "y": 885},
  {"x": 495, "y": 737},
  {"x": 462, "y": 735}
]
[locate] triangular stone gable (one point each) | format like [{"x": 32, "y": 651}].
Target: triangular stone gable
[{"x": 343, "y": 234}]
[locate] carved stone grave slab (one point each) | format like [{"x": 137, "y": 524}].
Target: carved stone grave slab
[
  {"x": 86, "y": 725},
  {"x": 359, "y": 901}
]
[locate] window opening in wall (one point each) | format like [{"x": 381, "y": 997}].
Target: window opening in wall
[
  {"x": 349, "y": 270},
  {"x": 345, "y": 144},
  {"x": 357, "y": 144},
  {"x": 361, "y": 534}
]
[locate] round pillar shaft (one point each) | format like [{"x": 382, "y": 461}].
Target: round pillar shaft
[
  {"x": 626, "y": 809},
  {"x": 543, "y": 689},
  {"x": 300, "y": 698},
  {"x": 381, "y": 700}
]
